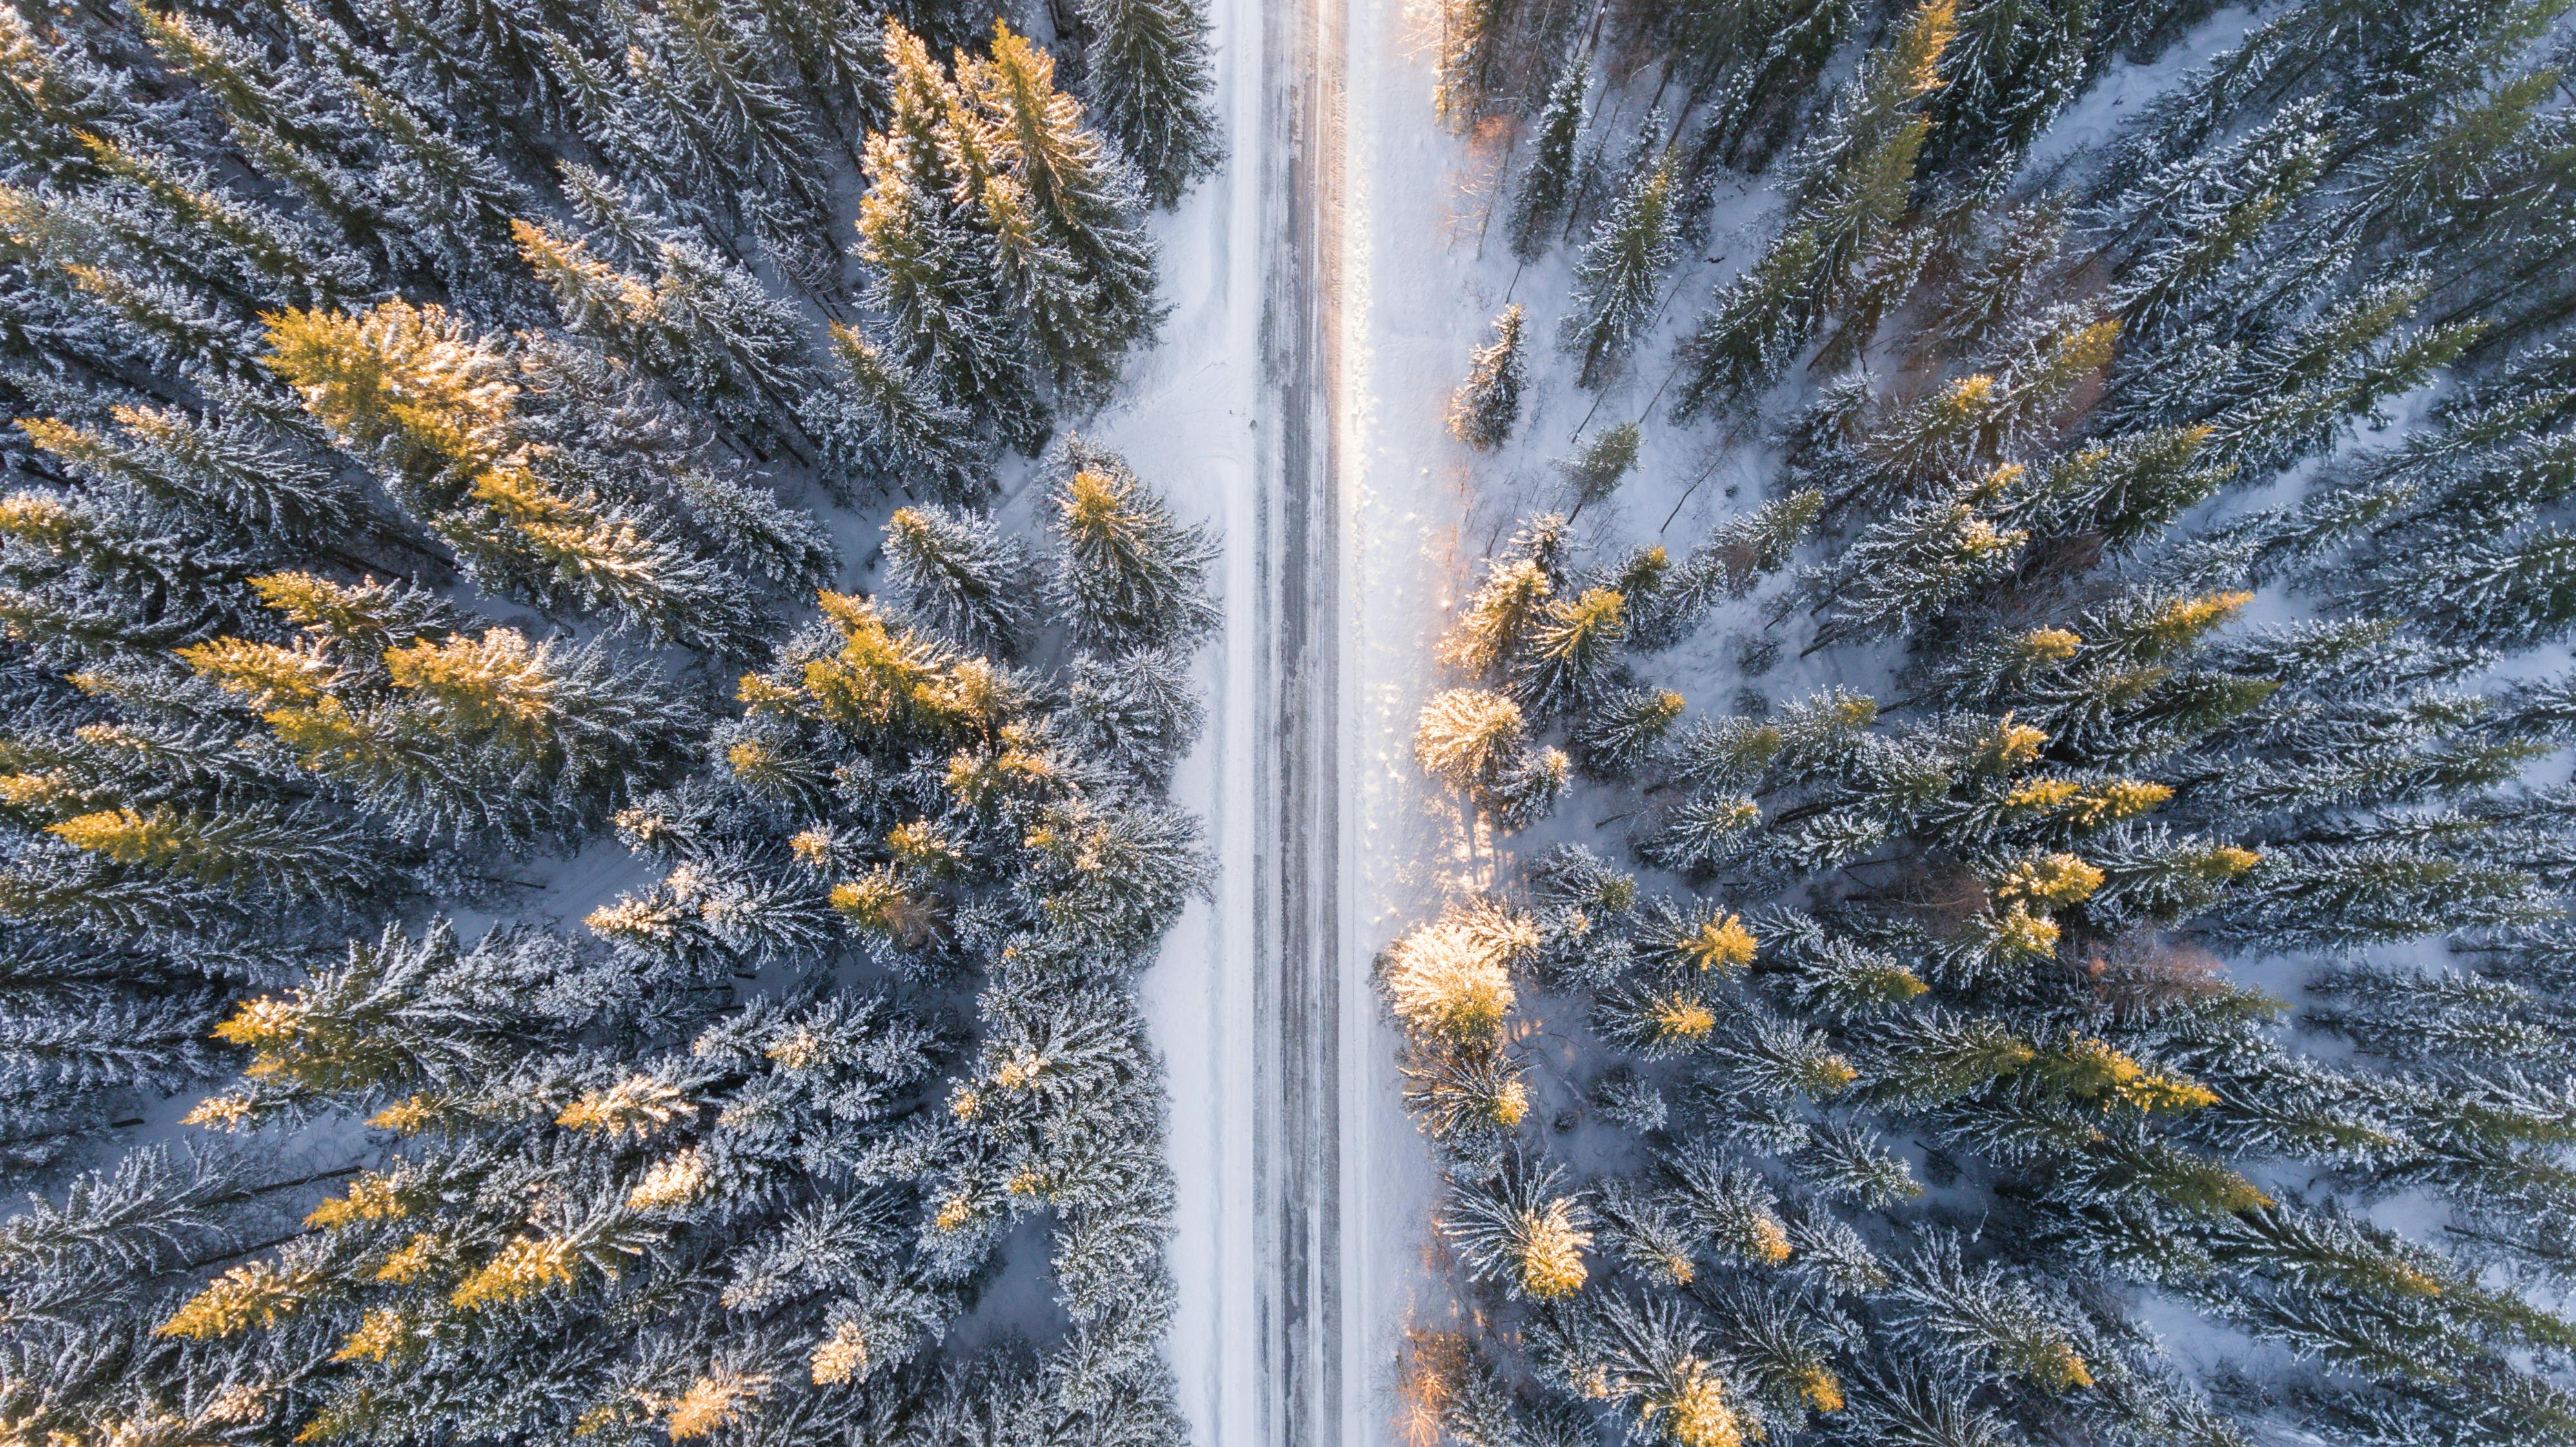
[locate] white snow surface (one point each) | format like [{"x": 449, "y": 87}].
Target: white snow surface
[{"x": 1185, "y": 420}]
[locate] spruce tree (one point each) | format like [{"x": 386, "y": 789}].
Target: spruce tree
[
  {"x": 1127, "y": 575},
  {"x": 2182, "y": 225},
  {"x": 2013, "y": 67},
  {"x": 1850, "y": 186},
  {"x": 1918, "y": 562},
  {"x": 1485, "y": 408},
  {"x": 883, "y": 420},
  {"x": 1597, "y": 469},
  {"x": 704, "y": 325},
  {"x": 435, "y": 409},
  {"x": 1136, "y": 710},
  {"x": 1497, "y": 619},
  {"x": 1547, "y": 187},
  {"x": 957, "y": 574},
  {"x": 1147, "y": 67},
  {"x": 1572, "y": 654},
  {"x": 1080, "y": 197},
  {"x": 932, "y": 273},
  {"x": 1467, "y": 737},
  {"x": 238, "y": 467},
  {"x": 1615, "y": 282},
  {"x": 1618, "y": 738}
]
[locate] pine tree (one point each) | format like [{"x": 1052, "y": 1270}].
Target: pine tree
[
  {"x": 1850, "y": 186},
  {"x": 1619, "y": 737},
  {"x": 2182, "y": 225},
  {"x": 1468, "y": 737},
  {"x": 622, "y": 221},
  {"x": 1760, "y": 320},
  {"x": 408, "y": 388},
  {"x": 1778, "y": 55},
  {"x": 448, "y": 203},
  {"x": 292, "y": 855},
  {"x": 957, "y": 574},
  {"x": 1918, "y": 562},
  {"x": 1979, "y": 1317},
  {"x": 229, "y": 243},
  {"x": 2130, "y": 489},
  {"x": 1736, "y": 556},
  {"x": 1485, "y": 408},
  {"x": 834, "y": 47},
  {"x": 1147, "y": 64},
  {"x": 2005, "y": 273},
  {"x": 932, "y": 272},
  {"x": 1657, "y": 1362},
  {"x": 747, "y": 521},
  {"x": 163, "y": 584},
  {"x": 2335, "y": 895},
  {"x": 1136, "y": 710},
  {"x": 58, "y": 95},
  {"x": 1044, "y": 284},
  {"x": 238, "y": 468},
  {"x": 704, "y": 325},
  {"x": 1080, "y": 197},
  {"x": 453, "y": 737},
  {"x": 1499, "y": 617},
  {"x": 2508, "y": 592},
  {"x": 284, "y": 116},
  {"x": 1572, "y": 659},
  {"x": 1127, "y": 575},
  {"x": 1614, "y": 283},
  {"x": 436, "y": 411},
  {"x": 1452, "y": 978},
  {"x": 1602, "y": 463},
  {"x": 1519, "y": 1229},
  {"x": 883, "y": 420},
  {"x": 2013, "y": 67},
  {"x": 1474, "y": 45},
  {"x": 1547, "y": 187}
]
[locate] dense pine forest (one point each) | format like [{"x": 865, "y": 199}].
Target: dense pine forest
[
  {"x": 2049, "y": 922},
  {"x": 445, "y": 435}
]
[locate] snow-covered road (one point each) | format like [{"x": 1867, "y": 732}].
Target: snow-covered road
[{"x": 1276, "y": 406}]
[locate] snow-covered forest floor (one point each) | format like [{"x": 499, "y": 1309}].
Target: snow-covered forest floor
[{"x": 1187, "y": 414}]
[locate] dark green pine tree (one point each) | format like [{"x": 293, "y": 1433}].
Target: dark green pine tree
[
  {"x": 933, "y": 274},
  {"x": 1548, "y": 185},
  {"x": 1603, "y": 462},
  {"x": 1485, "y": 408},
  {"x": 1146, "y": 71},
  {"x": 960, "y": 576},
  {"x": 884, "y": 422},
  {"x": 1082, "y": 195},
  {"x": 1849, "y": 188},
  {"x": 1128, "y": 576},
  {"x": 1616, "y": 281},
  {"x": 2014, "y": 66}
]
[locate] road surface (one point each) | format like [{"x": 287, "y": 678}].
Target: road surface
[
  {"x": 1303, "y": 1190},
  {"x": 1300, "y": 986}
]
